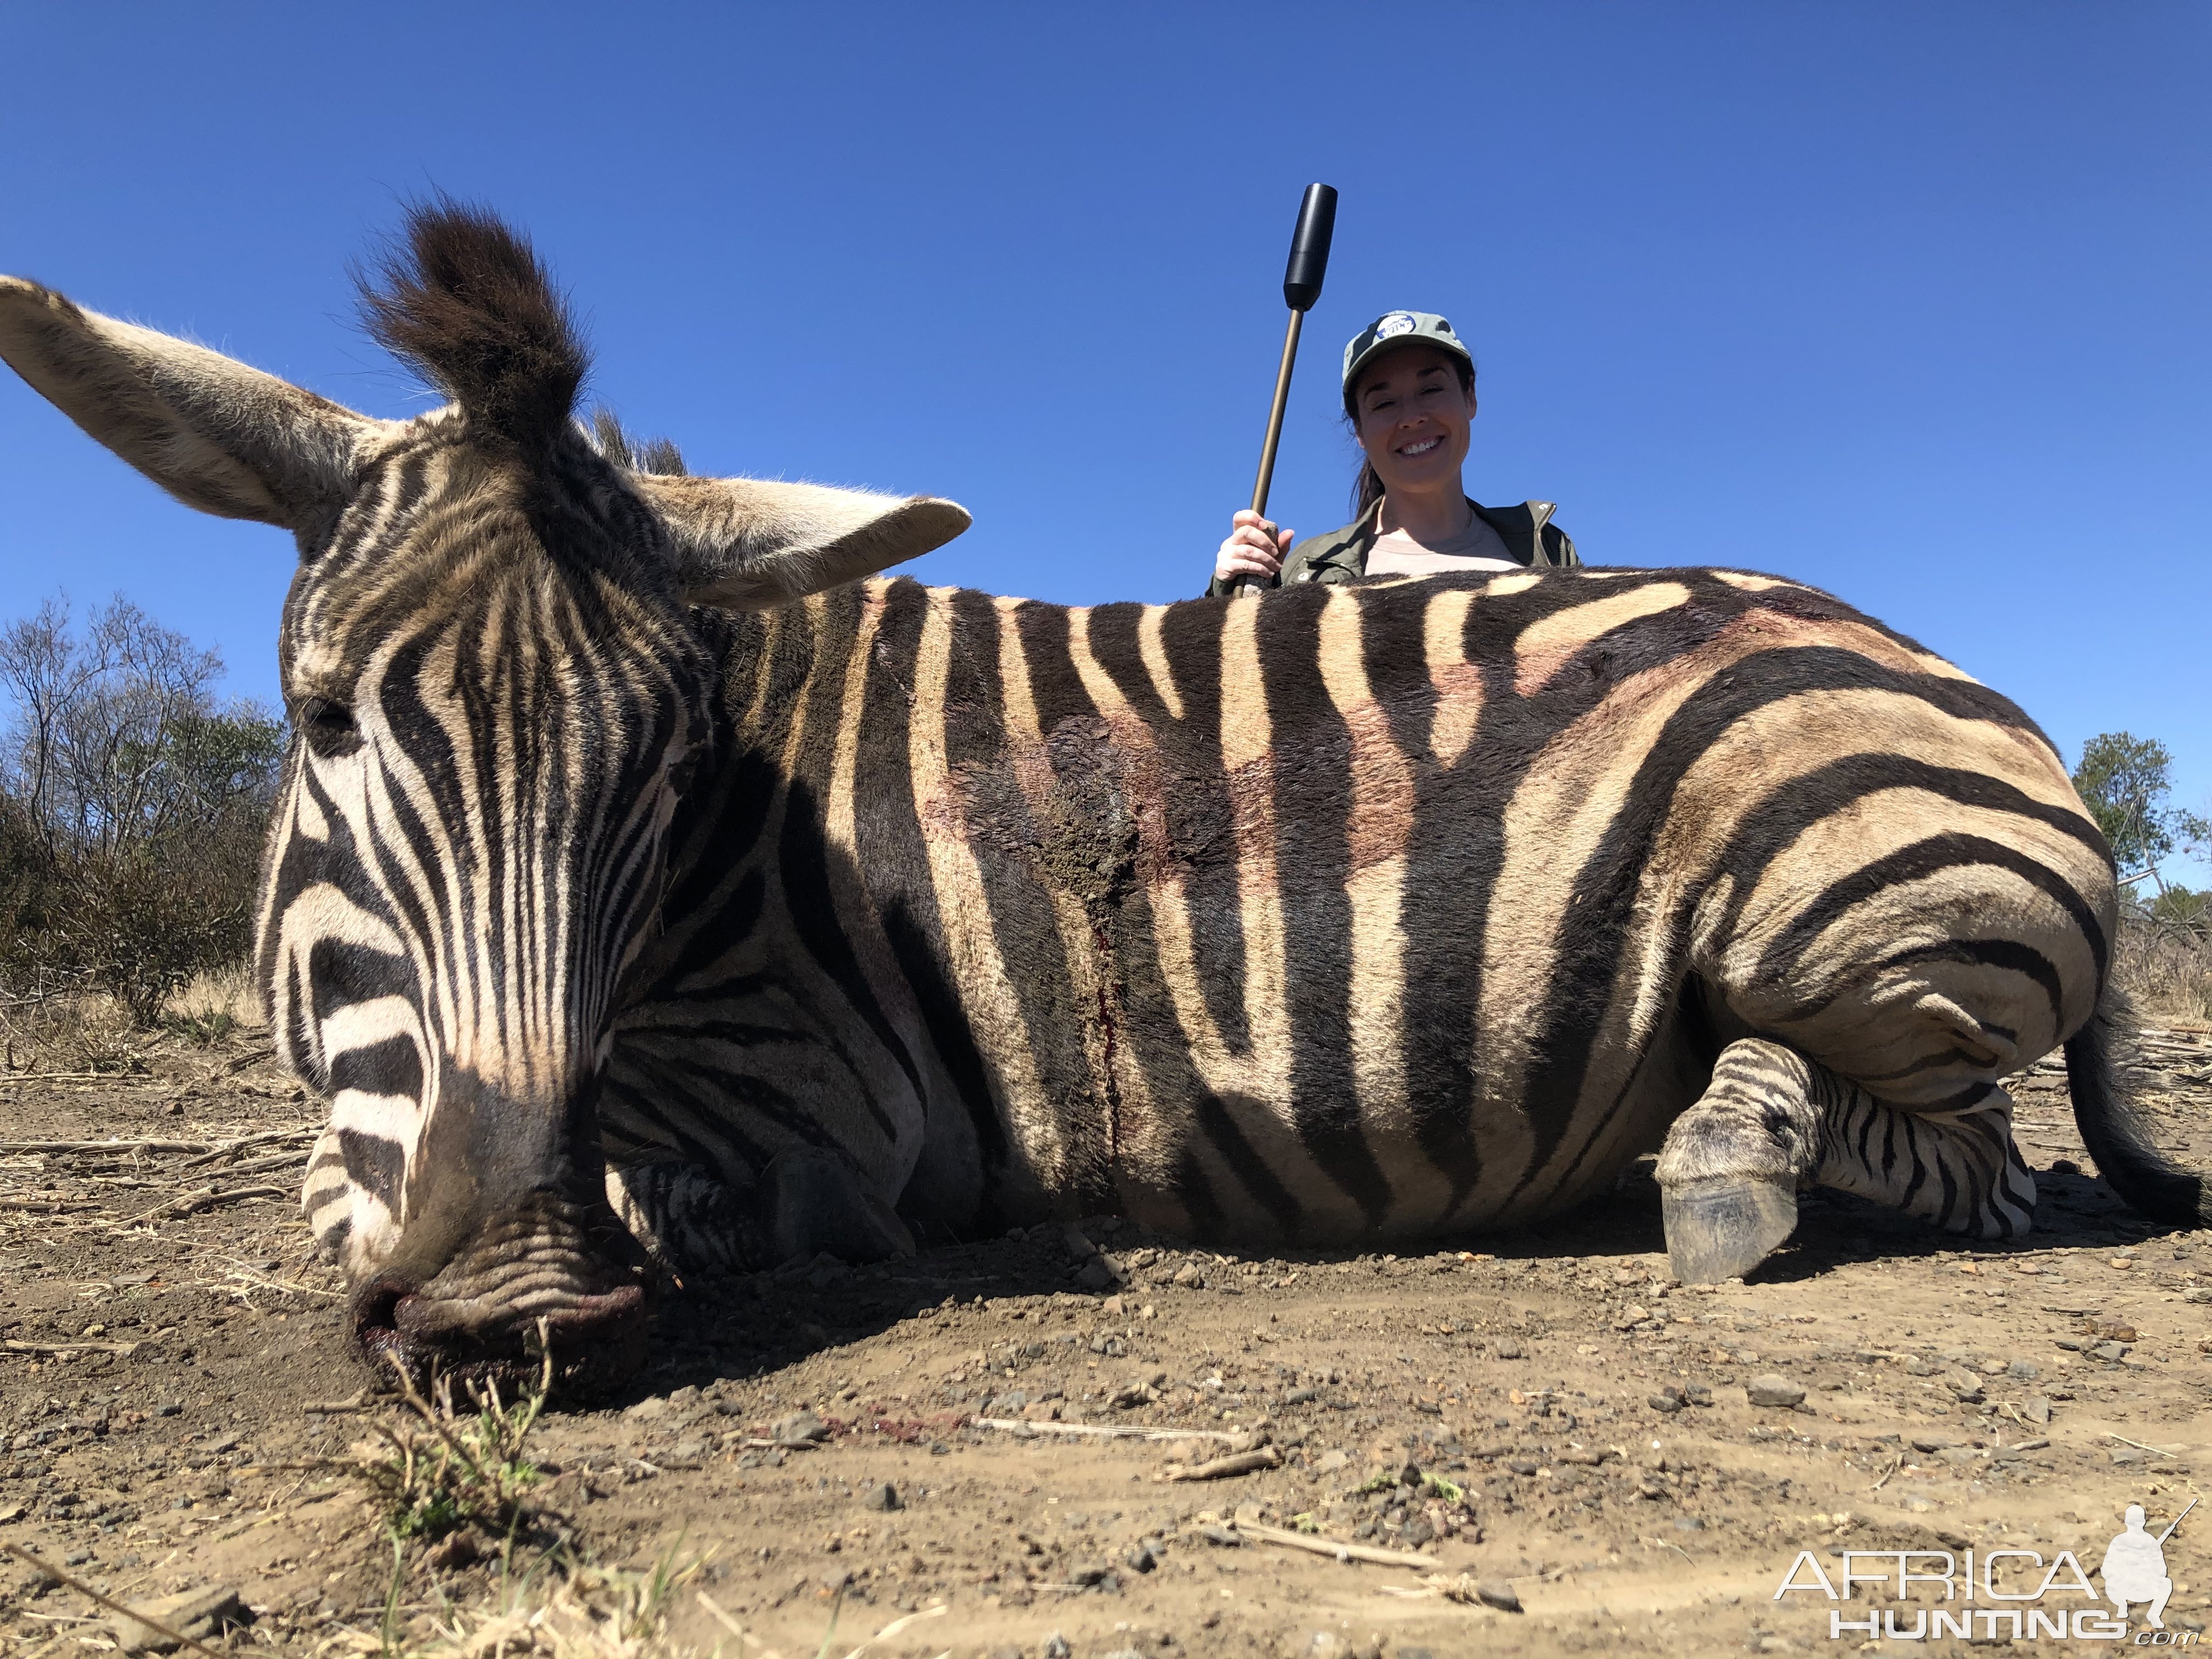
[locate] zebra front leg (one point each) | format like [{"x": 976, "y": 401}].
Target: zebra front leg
[
  {"x": 1729, "y": 1170},
  {"x": 1956, "y": 1166},
  {"x": 808, "y": 1200},
  {"x": 1772, "y": 1120}
]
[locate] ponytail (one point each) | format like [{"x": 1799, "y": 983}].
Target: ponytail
[{"x": 1366, "y": 489}]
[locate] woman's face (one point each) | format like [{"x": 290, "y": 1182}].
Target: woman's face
[{"x": 1413, "y": 419}]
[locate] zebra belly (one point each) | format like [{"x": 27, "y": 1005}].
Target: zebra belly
[{"x": 1411, "y": 1161}]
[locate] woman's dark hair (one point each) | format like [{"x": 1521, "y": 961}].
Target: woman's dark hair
[{"x": 1367, "y": 487}]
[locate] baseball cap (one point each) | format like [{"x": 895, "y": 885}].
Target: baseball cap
[{"x": 1398, "y": 328}]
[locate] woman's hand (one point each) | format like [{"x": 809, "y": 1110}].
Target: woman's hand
[{"x": 1254, "y": 548}]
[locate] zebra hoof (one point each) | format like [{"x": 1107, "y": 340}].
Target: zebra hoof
[{"x": 1721, "y": 1228}]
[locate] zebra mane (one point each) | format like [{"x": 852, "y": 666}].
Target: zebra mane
[
  {"x": 466, "y": 303},
  {"x": 658, "y": 456}
]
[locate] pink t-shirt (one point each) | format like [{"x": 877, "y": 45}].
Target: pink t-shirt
[{"x": 1476, "y": 548}]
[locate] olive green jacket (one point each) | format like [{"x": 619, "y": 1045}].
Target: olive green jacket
[{"x": 1527, "y": 530}]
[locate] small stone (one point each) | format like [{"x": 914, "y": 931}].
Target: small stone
[
  {"x": 646, "y": 1410},
  {"x": 2112, "y": 1351},
  {"x": 1055, "y": 1647},
  {"x": 1144, "y": 1555},
  {"x": 803, "y": 1427},
  {"x": 1916, "y": 1366},
  {"x": 1526, "y": 1466},
  {"x": 1508, "y": 1351},
  {"x": 882, "y": 1496},
  {"x": 460, "y": 1549},
  {"x": 1330, "y": 1461},
  {"x": 1931, "y": 1442},
  {"x": 1112, "y": 1307},
  {"x": 169, "y": 1408},
  {"x": 2036, "y": 1409},
  {"x": 1689, "y": 1523},
  {"x": 1772, "y": 1391},
  {"x": 1096, "y": 1275},
  {"x": 1497, "y": 1593},
  {"x": 200, "y": 1614},
  {"x": 1664, "y": 1402},
  {"x": 1189, "y": 1275},
  {"x": 2021, "y": 1371}
]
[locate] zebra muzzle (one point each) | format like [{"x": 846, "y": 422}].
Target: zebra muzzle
[{"x": 528, "y": 1284}]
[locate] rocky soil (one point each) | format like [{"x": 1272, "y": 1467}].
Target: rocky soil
[{"x": 1551, "y": 1446}]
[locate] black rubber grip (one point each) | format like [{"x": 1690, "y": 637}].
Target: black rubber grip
[{"x": 1302, "y": 277}]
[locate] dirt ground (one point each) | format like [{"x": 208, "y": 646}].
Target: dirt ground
[{"x": 1545, "y": 1415}]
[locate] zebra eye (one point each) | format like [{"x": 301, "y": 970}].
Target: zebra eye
[{"x": 328, "y": 727}]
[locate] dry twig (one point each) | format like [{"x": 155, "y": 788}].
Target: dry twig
[
  {"x": 1244, "y": 1462},
  {"x": 1099, "y": 1430},
  {"x": 92, "y": 1594},
  {"x": 1318, "y": 1546},
  {"x": 192, "y": 1203}
]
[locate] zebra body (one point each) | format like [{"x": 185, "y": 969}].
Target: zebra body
[
  {"x": 1364, "y": 914},
  {"x": 649, "y": 882}
]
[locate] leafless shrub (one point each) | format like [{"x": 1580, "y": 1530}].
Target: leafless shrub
[
  {"x": 2166, "y": 968},
  {"x": 132, "y": 808}
]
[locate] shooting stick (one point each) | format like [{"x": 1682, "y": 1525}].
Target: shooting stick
[{"x": 1302, "y": 281}]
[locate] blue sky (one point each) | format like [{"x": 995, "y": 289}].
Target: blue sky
[{"x": 1908, "y": 303}]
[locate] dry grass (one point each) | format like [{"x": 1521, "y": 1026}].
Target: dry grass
[
  {"x": 2166, "y": 973},
  {"x": 65, "y": 1025},
  {"x": 71, "y": 1029},
  {"x": 216, "y": 1004}
]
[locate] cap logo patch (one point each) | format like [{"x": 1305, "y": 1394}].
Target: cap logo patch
[{"x": 1397, "y": 323}]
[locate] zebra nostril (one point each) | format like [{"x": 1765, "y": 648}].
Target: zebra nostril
[{"x": 376, "y": 1321}]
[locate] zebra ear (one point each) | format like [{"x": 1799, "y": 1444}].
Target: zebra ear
[
  {"x": 218, "y": 435},
  {"x": 748, "y": 544}
]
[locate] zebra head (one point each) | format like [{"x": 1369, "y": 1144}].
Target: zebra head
[{"x": 496, "y": 659}]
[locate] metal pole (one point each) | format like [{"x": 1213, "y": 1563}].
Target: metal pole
[
  {"x": 1302, "y": 281},
  {"x": 1275, "y": 414}
]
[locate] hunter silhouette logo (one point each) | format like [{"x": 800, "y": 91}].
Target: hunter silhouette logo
[
  {"x": 2002, "y": 1594},
  {"x": 2134, "y": 1567}
]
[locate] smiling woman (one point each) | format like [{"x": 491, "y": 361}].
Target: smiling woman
[{"x": 1409, "y": 394}]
